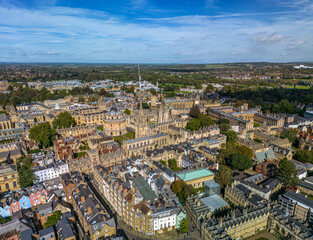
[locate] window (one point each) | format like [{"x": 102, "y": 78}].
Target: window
[
  {"x": 7, "y": 186},
  {"x": 14, "y": 184}
]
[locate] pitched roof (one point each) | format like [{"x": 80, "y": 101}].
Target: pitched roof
[
  {"x": 195, "y": 174},
  {"x": 262, "y": 156}
]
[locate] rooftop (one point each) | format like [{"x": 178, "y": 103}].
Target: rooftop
[{"x": 194, "y": 174}]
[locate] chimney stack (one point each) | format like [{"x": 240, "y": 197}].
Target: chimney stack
[
  {"x": 89, "y": 210},
  {"x": 82, "y": 199}
]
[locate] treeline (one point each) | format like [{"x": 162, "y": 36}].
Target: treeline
[
  {"x": 273, "y": 100},
  {"x": 22, "y": 95}
]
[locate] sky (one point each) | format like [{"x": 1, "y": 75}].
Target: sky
[{"x": 156, "y": 31}]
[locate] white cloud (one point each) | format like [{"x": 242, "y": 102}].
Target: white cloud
[
  {"x": 81, "y": 35},
  {"x": 268, "y": 38}
]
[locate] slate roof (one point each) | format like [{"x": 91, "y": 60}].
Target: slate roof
[
  {"x": 195, "y": 174},
  {"x": 298, "y": 197},
  {"x": 264, "y": 155},
  {"x": 144, "y": 188}
]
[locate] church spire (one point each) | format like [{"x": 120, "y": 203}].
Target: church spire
[{"x": 140, "y": 108}]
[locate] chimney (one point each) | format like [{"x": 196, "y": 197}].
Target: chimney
[
  {"x": 165, "y": 203},
  {"x": 124, "y": 192},
  {"x": 82, "y": 199},
  {"x": 77, "y": 190},
  {"x": 120, "y": 189},
  {"x": 89, "y": 210},
  {"x": 116, "y": 184},
  {"x": 159, "y": 204}
]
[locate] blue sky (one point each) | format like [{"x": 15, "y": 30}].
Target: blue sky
[{"x": 156, "y": 31}]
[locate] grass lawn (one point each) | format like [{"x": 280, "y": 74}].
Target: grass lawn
[
  {"x": 127, "y": 136},
  {"x": 299, "y": 86}
]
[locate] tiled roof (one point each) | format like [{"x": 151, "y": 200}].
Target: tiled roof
[{"x": 195, "y": 174}]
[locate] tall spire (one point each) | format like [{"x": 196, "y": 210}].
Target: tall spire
[
  {"x": 140, "y": 107},
  {"x": 139, "y": 77}
]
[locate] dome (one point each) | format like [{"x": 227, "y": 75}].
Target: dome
[{"x": 113, "y": 111}]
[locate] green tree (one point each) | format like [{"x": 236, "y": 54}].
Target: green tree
[
  {"x": 240, "y": 161},
  {"x": 287, "y": 173},
  {"x": 63, "y": 120},
  {"x": 291, "y": 134},
  {"x": 223, "y": 175},
  {"x": 42, "y": 133},
  {"x": 231, "y": 136},
  {"x": 193, "y": 124},
  {"x": 245, "y": 151},
  {"x": 198, "y": 86},
  {"x": 52, "y": 220},
  {"x": 127, "y": 111},
  {"x": 26, "y": 177},
  {"x": 182, "y": 190},
  {"x": 209, "y": 88},
  {"x": 81, "y": 99},
  {"x": 194, "y": 111},
  {"x": 183, "y": 226},
  {"x": 224, "y": 127},
  {"x": 177, "y": 186},
  {"x": 223, "y": 120},
  {"x": 205, "y": 120}
]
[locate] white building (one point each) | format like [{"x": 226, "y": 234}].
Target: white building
[
  {"x": 164, "y": 219},
  {"x": 50, "y": 171}
]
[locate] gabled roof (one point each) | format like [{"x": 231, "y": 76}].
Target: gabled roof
[{"x": 264, "y": 155}]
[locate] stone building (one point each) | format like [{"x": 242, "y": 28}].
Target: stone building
[
  {"x": 8, "y": 178},
  {"x": 5, "y": 122},
  {"x": 195, "y": 177},
  {"x": 94, "y": 219},
  {"x": 114, "y": 122},
  {"x": 237, "y": 224}
]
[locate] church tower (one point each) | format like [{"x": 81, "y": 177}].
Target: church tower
[
  {"x": 163, "y": 113},
  {"x": 141, "y": 123}
]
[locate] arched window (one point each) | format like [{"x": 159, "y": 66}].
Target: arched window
[
  {"x": 7, "y": 186},
  {"x": 14, "y": 184}
]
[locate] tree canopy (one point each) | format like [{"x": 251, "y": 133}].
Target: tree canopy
[
  {"x": 291, "y": 134},
  {"x": 240, "y": 161},
  {"x": 183, "y": 227},
  {"x": 224, "y": 127},
  {"x": 52, "y": 220},
  {"x": 63, "y": 120},
  {"x": 193, "y": 124},
  {"x": 42, "y": 133},
  {"x": 231, "y": 136},
  {"x": 194, "y": 111},
  {"x": 229, "y": 149},
  {"x": 287, "y": 173},
  {"x": 26, "y": 176},
  {"x": 223, "y": 175},
  {"x": 127, "y": 111},
  {"x": 182, "y": 190}
]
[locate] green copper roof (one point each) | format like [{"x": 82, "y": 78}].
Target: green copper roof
[{"x": 191, "y": 175}]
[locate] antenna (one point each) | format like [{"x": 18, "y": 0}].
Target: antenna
[{"x": 139, "y": 77}]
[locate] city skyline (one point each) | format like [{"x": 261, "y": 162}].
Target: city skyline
[{"x": 211, "y": 31}]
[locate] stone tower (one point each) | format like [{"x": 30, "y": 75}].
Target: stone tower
[{"x": 141, "y": 123}]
